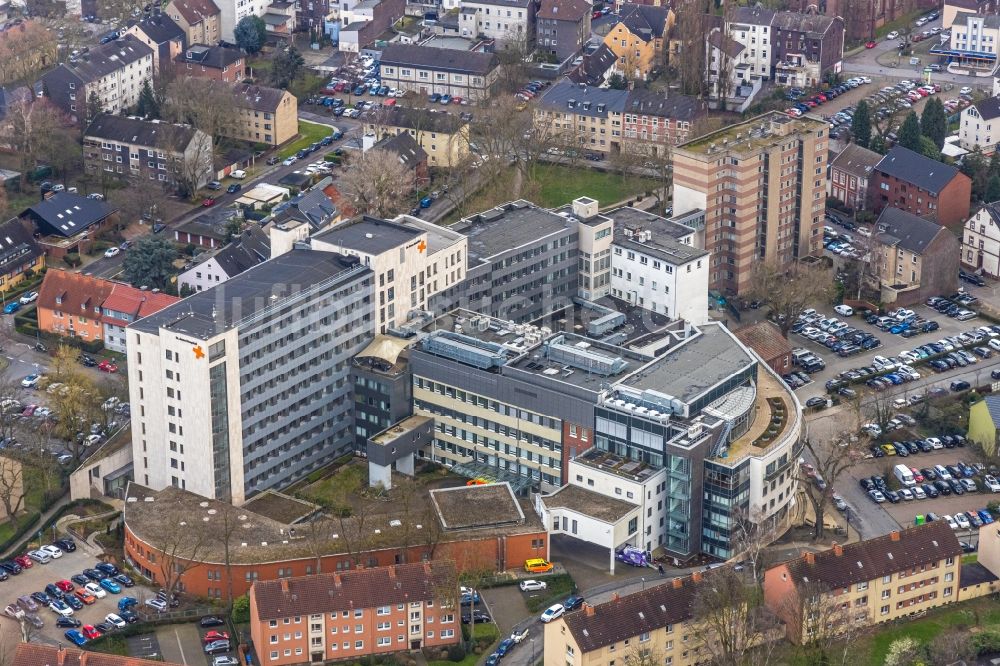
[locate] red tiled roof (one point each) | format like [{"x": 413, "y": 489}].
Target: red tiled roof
[
  {"x": 138, "y": 303},
  {"x": 764, "y": 338},
  {"x": 74, "y": 292},
  {"x": 340, "y": 201},
  {"x": 35, "y": 654},
  {"x": 878, "y": 557},
  {"x": 363, "y": 588},
  {"x": 195, "y": 11},
  {"x": 566, "y": 10}
]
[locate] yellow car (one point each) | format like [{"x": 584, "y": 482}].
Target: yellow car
[
  {"x": 521, "y": 106},
  {"x": 889, "y": 449},
  {"x": 537, "y": 565}
]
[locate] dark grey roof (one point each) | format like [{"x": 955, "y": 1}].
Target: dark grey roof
[
  {"x": 259, "y": 98},
  {"x": 856, "y": 160},
  {"x": 974, "y": 573},
  {"x": 897, "y": 228},
  {"x": 17, "y": 246},
  {"x": 312, "y": 207},
  {"x": 213, "y": 311},
  {"x": 993, "y": 407},
  {"x": 916, "y": 169},
  {"x": 428, "y": 120},
  {"x": 195, "y": 11},
  {"x": 135, "y": 132},
  {"x": 9, "y": 96},
  {"x": 989, "y": 21},
  {"x": 106, "y": 58},
  {"x": 662, "y": 247},
  {"x": 160, "y": 28},
  {"x": 989, "y": 108},
  {"x": 506, "y": 227},
  {"x": 723, "y": 42},
  {"x": 368, "y": 235},
  {"x": 211, "y": 224},
  {"x": 644, "y": 21},
  {"x": 652, "y": 103},
  {"x": 695, "y": 366},
  {"x": 442, "y": 60},
  {"x": 584, "y": 100},
  {"x": 502, "y": 3},
  {"x": 216, "y": 57},
  {"x": 627, "y": 216},
  {"x": 251, "y": 248},
  {"x": 594, "y": 67},
  {"x": 756, "y": 15},
  {"x": 564, "y": 10},
  {"x": 813, "y": 25},
  {"x": 67, "y": 214},
  {"x": 405, "y": 147}
]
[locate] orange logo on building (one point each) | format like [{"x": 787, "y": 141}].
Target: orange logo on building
[
  {"x": 198, "y": 352},
  {"x": 421, "y": 246}
]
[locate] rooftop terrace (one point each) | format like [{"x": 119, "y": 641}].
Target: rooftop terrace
[{"x": 751, "y": 135}]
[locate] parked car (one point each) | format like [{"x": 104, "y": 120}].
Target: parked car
[
  {"x": 532, "y": 585},
  {"x": 551, "y": 613}
]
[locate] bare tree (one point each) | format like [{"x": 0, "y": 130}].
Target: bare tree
[
  {"x": 831, "y": 459},
  {"x": 11, "y": 488},
  {"x": 182, "y": 540},
  {"x": 879, "y": 410},
  {"x": 735, "y": 628},
  {"x": 823, "y": 624},
  {"x": 189, "y": 154},
  {"x": 36, "y": 132},
  {"x": 378, "y": 183},
  {"x": 202, "y": 103},
  {"x": 222, "y": 528},
  {"x": 690, "y": 29},
  {"x": 26, "y": 50},
  {"x": 789, "y": 292},
  {"x": 752, "y": 534}
]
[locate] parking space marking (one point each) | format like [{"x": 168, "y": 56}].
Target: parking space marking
[{"x": 180, "y": 647}]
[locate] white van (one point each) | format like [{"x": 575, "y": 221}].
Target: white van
[
  {"x": 904, "y": 475},
  {"x": 239, "y": 174}
]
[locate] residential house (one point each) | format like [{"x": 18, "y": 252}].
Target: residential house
[
  {"x": 178, "y": 156},
  {"x": 509, "y": 22},
  {"x": 769, "y": 344},
  {"x": 312, "y": 208},
  {"x": 115, "y": 72},
  {"x": 355, "y": 614},
  {"x": 427, "y": 70},
  {"x": 806, "y": 48},
  {"x": 850, "y": 175},
  {"x": 19, "y": 253},
  {"x": 638, "y": 39},
  {"x": 126, "y": 304},
  {"x": 596, "y": 66},
  {"x": 250, "y": 248},
  {"x": 279, "y": 19},
  {"x": 69, "y": 304},
  {"x": 655, "y": 121},
  {"x": 952, "y": 8},
  {"x": 264, "y": 115},
  {"x": 848, "y": 587},
  {"x": 220, "y": 63},
  {"x": 580, "y": 116},
  {"x": 863, "y": 19},
  {"x": 161, "y": 34},
  {"x": 312, "y": 15},
  {"x": 728, "y": 74},
  {"x": 984, "y": 420},
  {"x": 913, "y": 258},
  {"x": 443, "y": 136},
  {"x": 366, "y": 21},
  {"x": 199, "y": 19},
  {"x": 979, "y": 126},
  {"x": 974, "y": 41},
  {"x": 38, "y": 654},
  {"x": 981, "y": 241},
  {"x": 410, "y": 155},
  {"x": 660, "y": 623},
  {"x": 562, "y": 27},
  {"x": 770, "y": 214},
  {"x": 66, "y": 222},
  {"x": 920, "y": 185}
]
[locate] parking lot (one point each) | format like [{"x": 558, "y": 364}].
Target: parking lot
[{"x": 39, "y": 575}]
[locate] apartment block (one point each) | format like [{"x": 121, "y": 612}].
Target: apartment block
[
  {"x": 178, "y": 156},
  {"x": 115, "y": 72},
  {"x": 245, "y": 386},
  {"x": 220, "y": 63},
  {"x": 503, "y": 20},
  {"x": 355, "y": 614},
  {"x": 888, "y": 578},
  {"x": 563, "y": 27},
  {"x": 199, "y": 19},
  {"x": 981, "y": 240},
  {"x": 19, "y": 253},
  {"x": 919, "y": 185},
  {"x": 637, "y": 40},
  {"x": 913, "y": 258},
  {"x": 762, "y": 185},
  {"x": 850, "y": 176},
  {"x": 264, "y": 115},
  {"x": 163, "y": 35},
  {"x": 426, "y": 70},
  {"x": 443, "y": 136},
  {"x": 581, "y": 117},
  {"x": 412, "y": 261}
]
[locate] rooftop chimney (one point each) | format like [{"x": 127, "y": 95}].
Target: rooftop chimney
[
  {"x": 810, "y": 557},
  {"x": 838, "y": 550},
  {"x": 615, "y": 597},
  {"x": 696, "y": 576},
  {"x": 284, "y": 585},
  {"x": 61, "y": 659},
  {"x": 589, "y": 610},
  {"x": 392, "y": 572},
  {"x": 894, "y": 535},
  {"x": 678, "y": 583}
]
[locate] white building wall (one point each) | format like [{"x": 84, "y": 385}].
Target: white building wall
[
  {"x": 205, "y": 275},
  {"x": 687, "y": 200},
  {"x": 975, "y": 131},
  {"x": 231, "y": 11},
  {"x": 643, "y": 494},
  {"x": 981, "y": 238},
  {"x": 679, "y": 291}
]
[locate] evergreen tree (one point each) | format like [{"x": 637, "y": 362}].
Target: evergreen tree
[
  {"x": 909, "y": 133},
  {"x": 928, "y": 149},
  {"x": 861, "y": 125},
  {"x": 994, "y": 167},
  {"x": 286, "y": 67},
  {"x": 975, "y": 167},
  {"x": 148, "y": 104},
  {"x": 933, "y": 122},
  {"x": 878, "y": 144},
  {"x": 94, "y": 106},
  {"x": 617, "y": 82},
  {"x": 250, "y": 34},
  {"x": 993, "y": 189}
]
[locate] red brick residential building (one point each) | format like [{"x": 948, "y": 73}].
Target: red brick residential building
[
  {"x": 919, "y": 185},
  {"x": 765, "y": 338},
  {"x": 850, "y": 174},
  {"x": 662, "y": 120},
  {"x": 352, "y": 614},
  {"x": 221, "y": 63},
  {"x": 37, "y": 654}
]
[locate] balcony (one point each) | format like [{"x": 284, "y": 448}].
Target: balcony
[{"x": 775, "y": 418}]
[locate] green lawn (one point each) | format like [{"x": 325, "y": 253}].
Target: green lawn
[
  {"x": 470, "y": 660},
  {"x": 559, "y": 185},
  {"x": 309, "y": 133},
  {"x": 335, "y": 486}
]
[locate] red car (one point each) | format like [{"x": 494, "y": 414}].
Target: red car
[
  {"x": 65, "y": 585},
  {"x": 208, "y": 203},
  {"x": 84, "y": 596},
  {"x": 456, "y": 100},
  {"x": 820, "y": 97},
  {"x": 89, "y": 632},
  {"x": 870, "y": 45},
  {"x": 107, "y": 366},
  {"x": 25, "y": 561},
  {"x": 340, "y": 87},
  {"x": 597, "y": 14},
  {"x": 215, "y": 636}
]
